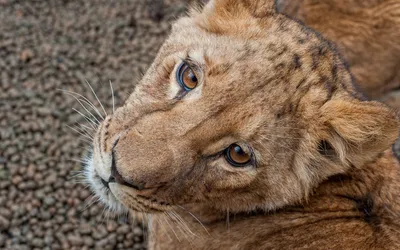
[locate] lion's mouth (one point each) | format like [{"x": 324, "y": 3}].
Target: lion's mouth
[
  {"x": 100, "y": 187},
  {"x": 105, "y": 183},
  {"x": 103, "y": 192},
  {"x": 138, "y": 202},
  {"x": 119, "y": 194}
]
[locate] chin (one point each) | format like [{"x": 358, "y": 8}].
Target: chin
[{"x": 101, "y": 190}]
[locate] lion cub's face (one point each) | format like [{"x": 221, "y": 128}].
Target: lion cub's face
[{"x": 242, "y": 109}]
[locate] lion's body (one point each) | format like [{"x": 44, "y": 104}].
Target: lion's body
[
  {"x": 278, "y": 94},
  {"x": 358, "y": 210},
  {"x": 367, "y": 33}
]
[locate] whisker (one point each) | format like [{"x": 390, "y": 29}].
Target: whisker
[
  {"x": 81, "y": 181},
  {"x": 98, "y": 100},
  {"x": 84, "y": 148},
  {"x": 86, "y": 136},
  {"x": 194, "y": 218},
  {"x": 75, "y": 176},
  {"x": 76, "y": 160},
  {"x": 183, "y": 222},
  {"x": 178, "y": 225},
  {"x": 86, "y": 127},
  {"x": 107, "y": 217},
  {"x": 93, "y": 200},
  {"x": 85, "y": 140},
  {"x": 84, "y": 99},
  {"x": 76, "y": 171},
  {"x": 83, "y": 130},
  {"x": 88, "y": 200},
  {"x": 90, "y": 113},
  {"x": 165, "y": 230},
  {"x": 113, "y": 99},
  {"x": 165, "y": 218},
  {"x": 102, "y": 218},
  {"x": 91, "y": 122}
]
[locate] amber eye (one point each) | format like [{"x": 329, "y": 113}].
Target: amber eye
[
  {"x": 186, "y": 77},
  {"x": 236, "y": 156}
]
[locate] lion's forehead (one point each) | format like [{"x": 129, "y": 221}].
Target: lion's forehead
[{"x": 267, "y": 76}]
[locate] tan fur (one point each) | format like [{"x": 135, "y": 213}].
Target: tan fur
[
  {"x": 357, "y": 210},
  {"x": 320, "y": 179},
  {"x": 367, "y": 33}
]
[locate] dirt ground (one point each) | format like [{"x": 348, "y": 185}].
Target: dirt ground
[{"x": 57, "y": 44}]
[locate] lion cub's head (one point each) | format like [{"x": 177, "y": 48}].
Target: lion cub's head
[{"x": 242, "y": 109}]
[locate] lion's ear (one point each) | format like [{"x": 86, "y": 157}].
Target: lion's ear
[
  {"x": 234, "y": 16},
  {"x": 359, "y": 130}
]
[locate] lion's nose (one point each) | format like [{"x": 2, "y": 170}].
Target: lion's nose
[{"x": 116, "y": 176}]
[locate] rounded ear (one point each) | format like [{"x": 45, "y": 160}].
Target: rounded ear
[{"x": 362, "y": 129}]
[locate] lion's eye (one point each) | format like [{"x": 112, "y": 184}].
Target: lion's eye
[
  {"x": 186, "y": 77},
  {"x": 236, "y": 156}
]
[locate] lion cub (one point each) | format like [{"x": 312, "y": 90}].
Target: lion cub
[{"x": 247, "y": 133}]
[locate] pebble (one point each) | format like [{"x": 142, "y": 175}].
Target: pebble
[
  {"x": 4, "y": 223},
  {"x": 2, "y": 240},
  {"x": 75, "y": 240},
  {"x": 51, "y": 179},
  {"x": 48, "y": 240},
  {"x": 137, "y": 231},
  {"x": 26, "y": 55},
  {"x": 85, "y": 229},
  {"x": 128, "y": 244},
  {"x": 17, "y": 180},
  {"x": 88, "y": 241},
  {"x": 112, "y": 239},
  {"x": 111, "y": 226},
  {"x": 124, "y": 229},
  {"x": 49, "y": 201},
  {"x": 101, "y": 243},
  {"x": 37, "y": 242}
]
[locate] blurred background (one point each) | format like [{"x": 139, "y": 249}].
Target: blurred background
[{"x": 50, "y": 45}]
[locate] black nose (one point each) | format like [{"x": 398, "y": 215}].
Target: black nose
[{"x": 116, "y": 176}]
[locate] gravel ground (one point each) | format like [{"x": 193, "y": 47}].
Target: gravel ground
[{"x": 57, "y": 44}]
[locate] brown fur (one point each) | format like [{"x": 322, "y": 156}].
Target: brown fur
[
  {"x": 319, "y": 180},
  {"x": 357, "y": 210},
  {"x": 367, "y": 33}
]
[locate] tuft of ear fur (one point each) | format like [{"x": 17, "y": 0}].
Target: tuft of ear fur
[
  {"x": 261, "y": 8},
  {"x": 234, "y": 16},
  {"x": 359, "y": 131}
]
